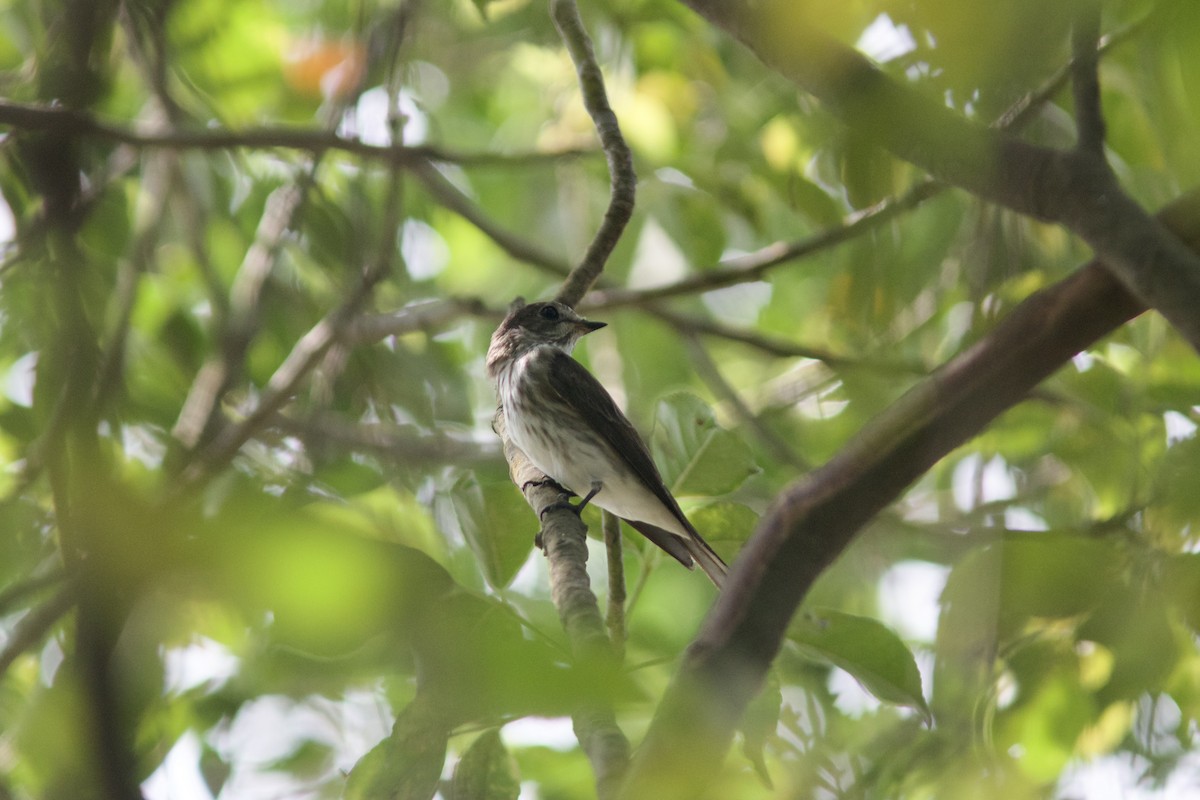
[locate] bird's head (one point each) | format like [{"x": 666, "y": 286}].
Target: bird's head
[{"x": 536, "y": 325}]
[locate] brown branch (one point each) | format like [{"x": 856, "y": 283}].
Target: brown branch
[
  {"x": 419, "y": 316},
  {"x": 622, "y": 178},
  {"x": 816, "y": 518},
  {"x": 753, "y": 266},
  {"x": 1072, "y": 188},
  {"x": 63, "y": 120}
]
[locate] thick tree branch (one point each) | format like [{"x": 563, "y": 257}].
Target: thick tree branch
[
  {"x": 813, "y": 521},
  {"x": 1072, "y": 188}
]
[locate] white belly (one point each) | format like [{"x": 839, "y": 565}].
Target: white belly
[{"x": 581, "y": 465}]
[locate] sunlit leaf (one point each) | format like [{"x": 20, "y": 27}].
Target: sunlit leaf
[{"x": 865, "y": 648}]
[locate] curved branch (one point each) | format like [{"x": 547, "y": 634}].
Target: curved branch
[
  {"x": 620, "y": 160},
  {"x": 815, "y": 519}
]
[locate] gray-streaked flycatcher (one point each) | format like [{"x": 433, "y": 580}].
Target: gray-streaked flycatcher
[{"x": 570, "y": 428}]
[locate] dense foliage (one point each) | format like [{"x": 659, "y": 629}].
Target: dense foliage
[{"x": 255, "y": 523}]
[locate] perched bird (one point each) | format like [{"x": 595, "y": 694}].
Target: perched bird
[{"x": 565, "y": 422}]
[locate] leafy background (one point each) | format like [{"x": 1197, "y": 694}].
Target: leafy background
[{"x": 356, "y": 574}]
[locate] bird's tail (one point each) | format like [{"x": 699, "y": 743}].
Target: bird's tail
[
  {"x": 689, "y": 550},
  {"x": 708, "y": 560}
]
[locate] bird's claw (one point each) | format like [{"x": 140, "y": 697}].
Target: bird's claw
[{"x": 563, "y": 503}]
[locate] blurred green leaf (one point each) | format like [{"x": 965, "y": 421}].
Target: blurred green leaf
[
  {"x": 696, "y": 456},
  {"x": 865, "y": 648},
  {"x": 485, "y": 772}
]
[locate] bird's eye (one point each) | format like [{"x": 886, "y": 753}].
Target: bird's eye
[{"x": 549, "y": 312}]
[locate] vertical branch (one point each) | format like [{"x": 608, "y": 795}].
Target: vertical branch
[
  {"x": 1085, "y": 79},
  {"x": 615, "y": 618},
  {"x": 564, "y": 537},
  {"x": 620, "y": 161}
]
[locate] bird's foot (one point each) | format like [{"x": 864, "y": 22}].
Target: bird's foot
[{"x": 564, "y": 502}]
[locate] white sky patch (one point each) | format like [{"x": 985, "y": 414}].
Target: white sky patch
[
  {"x": 8, "y": 224},
  {"x": 849, "y": 696},
  {"x": 178, "y": 776},
  {"x": 425, "y": 251},
  {"x": 1116, "y": 778},
  {"x": 202, "y": 661},
  {"x": 556, "y": 733},
  {"x": 657, "y": 259},
  {"x": 884, "y": 40},
  {"x": 370, "y": 119},
  {"x": 18, "y": 383},
  {"x": 1178, "y": 427},
  {"x": 970, "y": 489},
  {"x": 908, "y": 598},
  {"x": 1022, "y": 519},
  {"x": 741, "y": 303}
]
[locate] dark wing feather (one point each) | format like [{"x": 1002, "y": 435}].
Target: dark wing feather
[{"x": 579, "y": 389}]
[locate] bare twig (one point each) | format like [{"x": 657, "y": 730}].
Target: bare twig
[
  {"x": 421, "y": 316},
  {"x": 614, "y": 620},
  {"x": 711, "y": 375},
  {"x": 622, "y": 178},
  {"x": 31, "y": 117},
  {"x": 34, "y": 626},
  {"x": 398, "y": 443},
  {"x": 449, "y": 196},
  {"x": 200, "y": 408}
]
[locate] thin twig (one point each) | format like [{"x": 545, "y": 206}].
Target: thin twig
[
  {"x": 623, "y": 180},
  {"x": 614, "y": 619},
  {"x": 398, "y": 443},
  {"x": 708, "y": 372},
  {"x": 34, "y": 626},
  {"x": 451, "y": 198},
  {"x": 200, "y": 408},
  {"x": 32, "y": 117}
]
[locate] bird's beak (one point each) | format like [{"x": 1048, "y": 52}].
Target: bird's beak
[{"x": 588, "y": 326}]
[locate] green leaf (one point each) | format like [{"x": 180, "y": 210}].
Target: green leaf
[
  {"x": 867, "y": 649},
  {"x": 697, "y": 456},
  {"x": 494, "y": 520},
  {"x": 486, "y": 772},
  {"x": 408, "y": 764}
]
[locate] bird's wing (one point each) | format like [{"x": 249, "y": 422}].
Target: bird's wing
[{"x": 580, "y": 390}]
